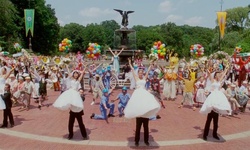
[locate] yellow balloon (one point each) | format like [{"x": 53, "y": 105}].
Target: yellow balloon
[
  {"x": 164, "y": 49},
  {"x": 159, "y": 51}
]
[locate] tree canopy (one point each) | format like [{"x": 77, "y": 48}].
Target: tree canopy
[{"x": 48, "y": 34}]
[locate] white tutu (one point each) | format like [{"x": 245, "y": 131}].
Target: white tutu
[
  {"x": 216, "y": 101},
  {"x": 2, "y": 104},
  {"x": 67, "y": 99},
  {"x": 141, "y": 104}
]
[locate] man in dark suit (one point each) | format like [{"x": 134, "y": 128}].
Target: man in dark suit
[
  {"x": 7, "y": 112},
  {"x": 77, "y": 113}
]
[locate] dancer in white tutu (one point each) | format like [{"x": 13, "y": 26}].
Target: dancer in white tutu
[
  {"x": 215, "y": 104},
  {"x": 4, "y": 75},
  {"x": 71, "y": 97},
  {"x": 142, "y": 105}
]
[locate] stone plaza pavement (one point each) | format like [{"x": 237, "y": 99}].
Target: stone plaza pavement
[{"x": 178, "y": 128}]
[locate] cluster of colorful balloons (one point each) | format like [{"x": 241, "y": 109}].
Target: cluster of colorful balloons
[
  {"x": 93, "y": 51},
  {"x": 197, "y": 50},
  {"x": 65, "y": 45},
  {"x": 17, "y": 46},
  {"x": 159, "y": 49},
  {"x": 237, "y": 49}
]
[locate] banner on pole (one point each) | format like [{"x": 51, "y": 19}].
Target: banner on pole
[
  {"x": 222, "y": 22},
  {"x": 29, "y": 15}
]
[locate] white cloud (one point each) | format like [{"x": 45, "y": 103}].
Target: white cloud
[
  {"x": 173, "y": 18},
  {"x": 95, "y": 12},
  {"x": 194, "y": 21},
  {"x": 165, "y": 6},
  {"x": 61, "y": 22}
]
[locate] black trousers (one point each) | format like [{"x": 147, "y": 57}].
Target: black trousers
[
  {"x": 139, "y": 122},
  {"x": 215, "y": 116},
  {"x": 78, "y": 116},
  {"x": 7, "y": 114}
]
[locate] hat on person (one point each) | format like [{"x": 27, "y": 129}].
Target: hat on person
[
  {"x": 27, "y": 77},
  {"x": 124, "y": 88},
  {"x": 244, "y": 82},
  {"x": 108, "y": 68},
  {"x": 233, "y": 85},
  {"x": 12, "y": 76},
  {"x": 97, "y": 75},
  {"x": 228, "y": 82},
  {"x": 105, "y": 91}
]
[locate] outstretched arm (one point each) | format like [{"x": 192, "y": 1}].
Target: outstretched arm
[
  {"x": 111, "y": 51},
  {"x": 133, "y": 70},
  {"x": 149, "y": 68},
  {"x": 120, "y": 52}
]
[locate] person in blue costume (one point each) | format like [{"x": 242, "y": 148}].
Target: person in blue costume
[
  {"x": 104, "y": 105},
  {"x": 123, "y": 98},
  {"x": 116, "y": 65},
  {"x": 107, "y": 76}
]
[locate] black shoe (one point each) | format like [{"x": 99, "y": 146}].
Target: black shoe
[
  {"x": 120, "y": 115},
  {"x": 3, "y": 126},
  {"x": 85, "y": 138},
  {"x": 39, "y": 107},
  {"x": 111, "y": 115},
  {"x": 147, "y": 143},
  {"x": 204, "y": 138},
  {"x": 136, "y": 144},
  {"x": 216, "y": 137},
  {"x": 70, "y": 137},
  {"x": 12, "y": 125},
  {"x": 91, "y": 117}
]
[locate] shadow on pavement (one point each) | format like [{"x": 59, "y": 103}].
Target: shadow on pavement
[{"x": 142, "y": 145}]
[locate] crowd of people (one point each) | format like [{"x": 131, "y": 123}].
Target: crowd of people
[{"x": 218, "y": 86}]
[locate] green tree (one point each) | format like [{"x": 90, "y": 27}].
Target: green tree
[
  {"x": 146, "y": 39},
  {"x": 8, "y": 29},
  {"x": 109, "y": 27},
  {"x": 46, "y": 27},
  {"x": 172, "y": 34},
  {"x": 75, "y": 33},
  {"x": 237, "y": 18},
  {"x": 94, "y": 33}
]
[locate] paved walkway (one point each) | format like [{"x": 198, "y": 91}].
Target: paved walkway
[{"x": 177, "y": 129}]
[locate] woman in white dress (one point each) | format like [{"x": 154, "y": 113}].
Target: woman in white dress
[
  {"x": 142, "y": 106},
  {"x": 116, "y": 65},
  {"x": 215, "y": 104},
  {"x": 4, "y": 75},
  {"x": 71, "y": 97},
  {"x": 200, "y": 94}
]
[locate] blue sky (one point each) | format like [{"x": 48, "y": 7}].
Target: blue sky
[{"x": 147, "y": 12}]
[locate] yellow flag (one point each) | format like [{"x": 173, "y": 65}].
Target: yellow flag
[{"x": 222, "y": 22}]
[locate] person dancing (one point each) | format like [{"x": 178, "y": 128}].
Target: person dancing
[
  {"x": 116, "y": 64},
  {"x": 71, "y": 99},
  {"x": 141, "y": 109},
  {"x": 215, "y": 104}
]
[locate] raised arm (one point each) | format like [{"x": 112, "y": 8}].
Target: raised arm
[
  {"x": 149, "y": 68},
  {"x": 82, "y": 74},
  {"x": 133, "y": 70},
  {"x": 223, "y": 74},
  {"x": 111, "y": 51},
  {"x": 97, "y": 67},
  {"x": 8, "y": 74},
  {"x": 120, "y": 52}
]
